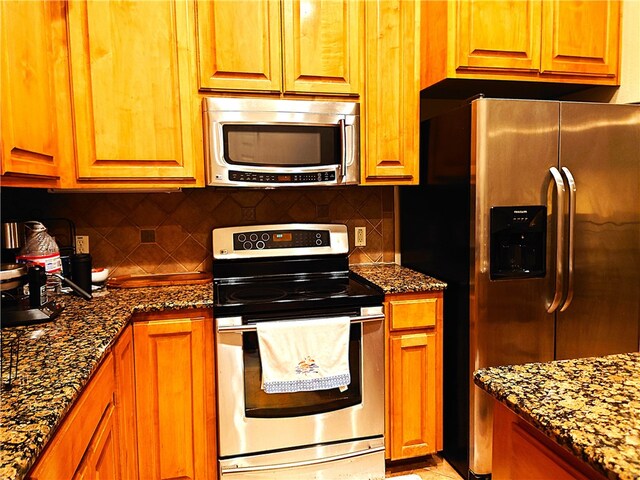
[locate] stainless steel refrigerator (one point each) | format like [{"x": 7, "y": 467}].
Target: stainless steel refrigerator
[{"x": 530, "y": 211}]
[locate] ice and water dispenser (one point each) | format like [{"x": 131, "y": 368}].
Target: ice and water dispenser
[{"x": 518, "y": 242}]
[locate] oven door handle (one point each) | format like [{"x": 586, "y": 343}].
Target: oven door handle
[
  {"x": 303, "y": 463},
  {"x": 253, "y": 327}
]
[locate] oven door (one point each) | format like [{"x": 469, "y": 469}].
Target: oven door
[{"x": 248, "y": 418}]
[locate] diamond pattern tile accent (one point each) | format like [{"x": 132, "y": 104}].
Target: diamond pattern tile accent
[{"x": 183, "y": 221}]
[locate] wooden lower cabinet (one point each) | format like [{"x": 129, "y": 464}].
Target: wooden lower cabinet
[
  {"x": 175, "y": 396},
  {"x": 126, "y": 403},
  {"x": 521, "y": 451},
  {"x": 413, "y": 375},
  {"x": 86, "y": 445}
]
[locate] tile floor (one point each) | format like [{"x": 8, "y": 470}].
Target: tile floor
[{"x": 431, "y": 468}]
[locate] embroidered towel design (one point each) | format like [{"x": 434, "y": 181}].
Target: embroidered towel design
[{"x": 304, "y": 355}]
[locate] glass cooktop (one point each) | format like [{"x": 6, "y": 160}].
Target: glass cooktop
[{"x": 302, "y": 293}]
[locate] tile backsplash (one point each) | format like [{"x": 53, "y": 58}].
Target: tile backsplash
[{"x": 134, "y": 233}]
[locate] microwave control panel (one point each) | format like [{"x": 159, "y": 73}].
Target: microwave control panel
[
  {"x": 254, "y": 177},
  {"x": 281, "y": 239}
]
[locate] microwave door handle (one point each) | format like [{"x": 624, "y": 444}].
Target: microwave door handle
[{"x": 343, "y": 141}]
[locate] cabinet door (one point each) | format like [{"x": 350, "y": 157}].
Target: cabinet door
[
  {"x": 498, "y": 35},
  {"x": 239, "y": 45},
  {"x": 132, "y": 86},
  {"x": 126, "y": 401},
  {"x": 391, "y": 104},
  {"x": 84, "y": 434},
  {"x": 30, "y": 100},
  {"x": 322, "y": 46},
  {"x": 413, "y": 394},
  {"x": 101, "y": 461},
  {"x": 175, "y": 398},
  {"x": 581, "y": 37}
]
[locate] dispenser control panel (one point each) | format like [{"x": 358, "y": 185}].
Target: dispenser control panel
[{"x": 518, "y": 242}]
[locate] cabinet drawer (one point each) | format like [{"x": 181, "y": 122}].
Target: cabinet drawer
[{"x": 418, "y": 313}]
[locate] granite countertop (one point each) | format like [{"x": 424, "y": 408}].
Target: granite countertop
[
  {"x": 56, "y": 360},
  {"x": 590, "y": 406},
  {"x": 394, "y": 278}
]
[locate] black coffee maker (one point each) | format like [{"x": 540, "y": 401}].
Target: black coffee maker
[{"x": 19, "y": 308}]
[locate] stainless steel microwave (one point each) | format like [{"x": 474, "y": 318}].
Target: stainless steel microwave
[{"x": 278, "y": 143}]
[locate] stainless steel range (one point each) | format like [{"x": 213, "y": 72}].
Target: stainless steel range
[{"x": 295, "y": 273}]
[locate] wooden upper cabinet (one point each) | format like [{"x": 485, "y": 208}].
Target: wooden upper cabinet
[
  {"x": 504, "y": 34},
  {"x": 288, "y": 46},
  {"x": 135, "y": 112},
  {"x": 581, "y": 39},
  {"x": 30, "y": 51},
  {"x": 391, "y": 101},
  {"x": 562, "y": 41},
  {"x": 322, "y": 46},
  {"x": 239, "y": 45}
]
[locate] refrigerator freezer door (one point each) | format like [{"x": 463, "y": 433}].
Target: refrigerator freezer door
[
  {"x": 600, "y": 145},
  {"x": 514, "y": 145}
]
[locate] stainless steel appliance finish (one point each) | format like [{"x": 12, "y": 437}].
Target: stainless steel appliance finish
[
  {"x": 578, "y": 161},
  {"x": 275, "y": 143},
  {"x": 298, "y": 272},
  {"x": 240, "y": 434},
  {"x": 348, "y": 460}
]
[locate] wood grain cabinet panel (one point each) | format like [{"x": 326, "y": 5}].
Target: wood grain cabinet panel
[
  {"x": 559, "y": 41},
  {"x": 239, "y": 45},
  {"x": 391, "y": 103},
  {"x": 175, "y": 397},
  {"x": 30, "y": 53},
  {"x": 485, "y": 42},
  {"x": 86, "y": 443},
  {"x": 413, "y": 375},
  {"x": 135, "y": 114},
  {"x": 520, "y": 451},
  {"x": 322, "y": 46},
  {"x": 287, "y": 46},
  {"x": 126, "y": 403},
  {"x": 413, "y": 395},
  {"x": 579, "y": 39}
]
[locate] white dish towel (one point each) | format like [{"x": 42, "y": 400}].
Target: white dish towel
[{"x": 304, "y": 355}]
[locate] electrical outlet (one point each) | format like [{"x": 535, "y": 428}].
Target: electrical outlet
[
  {"x": 361, "y": 237},
  {"x": 82, "y": 243}
]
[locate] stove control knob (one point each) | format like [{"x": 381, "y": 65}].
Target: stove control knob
[
  {"x": 242, "y": 237},
  {"x": 265, "y": 237},
  {"x": 318, "y": 242},
  {"x": 247, "y": 245},
  {"x": 260, "y": 245},
  {"x": 253, "y": 237}
]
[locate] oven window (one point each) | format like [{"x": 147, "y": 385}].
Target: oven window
[
  {"x": 259, "y": 404},
  {"x": 281, "y": 145}
]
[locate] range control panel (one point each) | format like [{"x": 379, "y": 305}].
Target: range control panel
[
  {"x": 254, "y": 177},
  {"x": 265, "y": 240}
]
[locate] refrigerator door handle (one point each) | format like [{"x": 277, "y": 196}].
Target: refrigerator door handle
[
  {"x": 571, "y": 184},
  {"x": 560, "y": 191}
]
